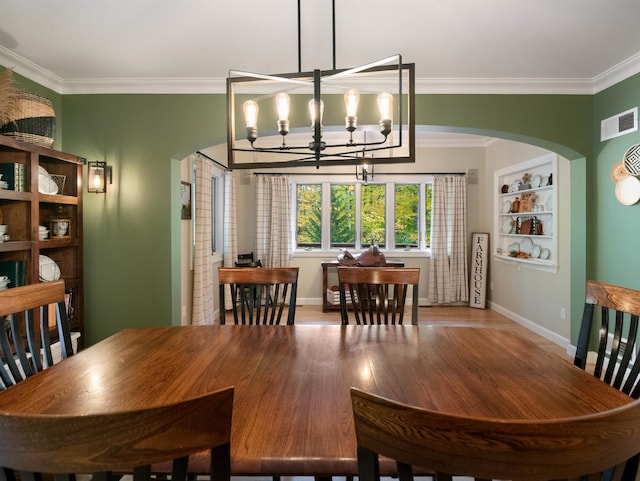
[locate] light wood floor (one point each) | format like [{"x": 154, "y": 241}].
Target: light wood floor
[{"x": 442, "y": 315}]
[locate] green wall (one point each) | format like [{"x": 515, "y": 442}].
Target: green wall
[
  {"x": 132, "y": 243},
  {"x": 131, "y": 234},
  {"x": 614, "y": 253},
  {"x": 561, "y": 123}
]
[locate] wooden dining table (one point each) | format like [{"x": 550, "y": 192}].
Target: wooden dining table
[{"x": 292, "y": 408}]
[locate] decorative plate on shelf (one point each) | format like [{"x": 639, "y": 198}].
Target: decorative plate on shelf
[
  {"x": 536, "y": 180},
  {"x": 628, "y": 190},
  {"x": 49, "y": 270},
  {"x": 544, "y": 181},
  {"x": 506, "y": 207},
  {"x": 618, "y": 171},
  {"x": 631, "y": 159},
  {"x": 515, "y": 247},
  {"x": 526, "y": 245},
  {"x": 545, "y": 254},
  {"x": 507, "y": 226},
  {"x": 548, "y": 205},
  {"x": 46, "y": 185},
  {"x": 535, "y": 252}
]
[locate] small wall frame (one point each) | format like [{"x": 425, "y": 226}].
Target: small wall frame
[{"x": 185, "y": 201}]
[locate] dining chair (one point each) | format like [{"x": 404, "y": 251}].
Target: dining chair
[
  {"x": 260, "y": 294},
  {"x": 612, "y": 330},
  {"x": 120, "y": 441},
  {"x": 377, "y": 295},
  {"x": 25, "y": 337},
  {"x": 518, "y": 450}
]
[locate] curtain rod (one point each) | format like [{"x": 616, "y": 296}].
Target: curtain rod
[
  {"x": 375, "y": 173},
  {"x": 212, "y": 160}
]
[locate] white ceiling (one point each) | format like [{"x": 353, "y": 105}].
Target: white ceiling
[{"x": 528, "y": 46}]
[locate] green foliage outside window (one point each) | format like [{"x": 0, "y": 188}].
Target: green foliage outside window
[
  {"x": 407, "y": 227},
  {"x": 343, "y": 215},
  {"x": 373, "y": 220},
  {"x": 309, "y": 205},
  {"x": 410, "y": 205}
]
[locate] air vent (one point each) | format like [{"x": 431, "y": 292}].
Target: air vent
[{"x": 620, "y": 124}]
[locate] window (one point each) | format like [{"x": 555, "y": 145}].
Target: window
[
  {"x": 343, "y": 215},
  {"x": 337, "y": 213},
  {"x": 217, "y": 212},
  {"x": 373, "y": 214},
  {"x": 407, "y": 228},
  {"x": 214, "y": 214},
  {"x": 309, "y": 215}
]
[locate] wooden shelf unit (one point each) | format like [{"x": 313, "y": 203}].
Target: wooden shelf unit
[
  {"x": 544, "y": 209},
  {"x": 24, "y": 211}
]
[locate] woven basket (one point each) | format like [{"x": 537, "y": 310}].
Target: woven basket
[{"x": 33, "y": 120}]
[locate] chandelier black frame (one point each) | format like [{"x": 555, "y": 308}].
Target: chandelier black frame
[{"x": 390, "y": 138}]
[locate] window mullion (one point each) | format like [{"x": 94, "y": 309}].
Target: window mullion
[
  {"x": 326, "y": 216},
  {"x": 358, "y": 214},
  {"x": 390, "y": 207},
  {"x": 422, "y": 216}
]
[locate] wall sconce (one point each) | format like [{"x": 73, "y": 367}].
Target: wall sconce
[
  {"x": 364, "y": 172},
  {"x": 99, "y": 174}
]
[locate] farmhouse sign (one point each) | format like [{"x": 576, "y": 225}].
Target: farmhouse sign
[{"x": 478, "y": 279}]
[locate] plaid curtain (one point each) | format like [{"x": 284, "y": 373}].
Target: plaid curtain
[
  {"x": 273, "y": 220},
  {"x": 202, "y": 269},
  {"x": 448, "y": 265},
  {"x": 230, "y": 232}
]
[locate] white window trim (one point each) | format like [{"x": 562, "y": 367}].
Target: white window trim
[
  {"x": 421, "y": 251},
  {"x": 218, "y": 227}
]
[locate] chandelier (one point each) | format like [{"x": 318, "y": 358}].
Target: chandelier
[{"x": 322, "y": 117}]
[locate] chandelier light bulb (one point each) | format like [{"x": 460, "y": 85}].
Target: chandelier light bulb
[
  {"x": 385, "y": 105},
  {"x": 351, "y": 100},
  {"x": 250, "y": 110},
  {"x": 283, "y": 103},
  {"x": 312, "y": 111}
]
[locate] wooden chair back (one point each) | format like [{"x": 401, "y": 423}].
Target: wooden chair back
[
  {"x": 518, "y": 450},
  {"x": 25, "y": 339},
  {"x": 120, "y": 441},
  {"x": 377, "y": 295},
  {"x": 260, "y": 294},
  {"x": 612, "y": 330}
]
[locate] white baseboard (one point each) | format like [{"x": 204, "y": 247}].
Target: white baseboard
[{"x": 538, "y": 329}]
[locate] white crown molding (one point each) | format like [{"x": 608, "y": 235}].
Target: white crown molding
[
  {"x": 503, "y": 86},
  {"x": 145, "y": 86},
  {"x": 553, "y": 86},
  {"x": 30, "y": 70},
  {"x": 431, "y": 140},
  {"x": 617, "y": 73}
]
